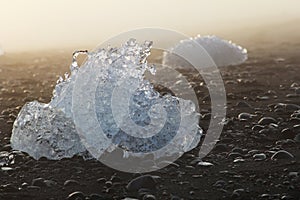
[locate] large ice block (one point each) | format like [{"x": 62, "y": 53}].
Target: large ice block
[{"x": 129, "y": 113}]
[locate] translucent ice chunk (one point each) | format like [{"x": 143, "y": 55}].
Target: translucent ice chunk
[
  {"x": 222, "y": 52},
  {"x": 147, "y": 124},
  {"x": 42, "y": 131}
]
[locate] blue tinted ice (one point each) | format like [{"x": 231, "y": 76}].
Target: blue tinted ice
[{"x": 128, "y": 113}]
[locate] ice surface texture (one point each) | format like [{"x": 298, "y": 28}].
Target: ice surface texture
[
  {"x": 42, "y": 131},
  {"x": 125, "y": 108},
  {"x": 111, "y": 105},
  {"x": 222, "y": 52}
]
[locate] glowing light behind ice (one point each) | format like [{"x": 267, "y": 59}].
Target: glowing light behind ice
[
  {"x": 1, "y": 51},
  {"x": 223, "y": 52}
]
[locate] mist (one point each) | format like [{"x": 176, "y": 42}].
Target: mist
[{"x": 36, "y": 25}]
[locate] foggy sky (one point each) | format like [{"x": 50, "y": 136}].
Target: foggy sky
[{"x": 36, "y": 24}]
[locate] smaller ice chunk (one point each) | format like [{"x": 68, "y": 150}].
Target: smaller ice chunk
[
  {"x": 222, "y": 52},
  {"x": 42, "y": 131}
]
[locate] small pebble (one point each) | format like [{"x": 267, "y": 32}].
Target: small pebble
[
  {"x": 6, "y": 168},
  {"x": 293, "y": 95},
  {"x": 259, "y": 156},
  {"x": 297, "y": 138},
  {"x": 245, "y": 116},
  {"x": 287, "y": 134},
  {"x": 204, "y": 164},
  {"x": 76, "y": 196},
  {"x": 220, "y": 148},
  {"x": 220, "y": 184},
  {"x": 33, "y": 188},
  {"x": 237, "y": 193},
  {"x": 149, "y": 197},
  {"x": 238, "y": 160},
  {"x": 263, "y": 98},
  {"x": 40, "y": 182},
  {"x": 243, "y": 104},
  {"x": 267, "y": 121},
  {"x": 71, "y": 183},
  {"x": 234, "y": 155},
  {"x": 257, "y": 127},
  {"x": 96, "y": 197},
  {"x": 145, "y": 181},
  {"x": 282, "y": 154}
]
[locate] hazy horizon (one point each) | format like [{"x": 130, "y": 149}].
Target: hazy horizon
[{"x": 33, "y": 25}]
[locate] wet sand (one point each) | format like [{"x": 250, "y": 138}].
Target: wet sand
[{"x": 270, "y": 76}]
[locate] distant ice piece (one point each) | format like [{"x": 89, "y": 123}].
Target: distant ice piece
[{"x": 222, "y": 52}]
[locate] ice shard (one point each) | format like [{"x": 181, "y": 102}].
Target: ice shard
[{"x": 222, "y": 52}]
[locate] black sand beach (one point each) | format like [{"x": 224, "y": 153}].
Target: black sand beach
[{"x": 270, "y": 76}]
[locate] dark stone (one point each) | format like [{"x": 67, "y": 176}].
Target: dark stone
[
  {"x": 220, "y": 184},
  {"x": 245, "y": 116},
  {"x": 263, "y": 98},
  {"x": 238, "y": 150},
  {"x": 40, "y": 182},
  {"x": 108, "y": 184},
  {"x": 96, "y": 197},
  {"x": 70, "y": 183},
  {"x": 149, "y": 197},
  {"x": 296, "y": 128},
  {"x": 76, "y": 196},
  {"x": 237, "y": 193},
  {"x": 234, "y": 155},
  {"x": 33, "y": 188},
  {"x": 101, "y": 180},
  {"x": 297, "y": 137},
  {"x": 243, "y": 104},
  {"x": 8, "y": 188},
  {"x": 267, "y": 121},
  {"x": 292, "y": 107},
  {"x": 145, "y": 181},
  {"x": 292, "y": 95},
  {"x": 296, "y": 115},
  {"x": 220, "y": 148},
  {"x": 206, "y": 116},
  {"x": 287, "y": 134},
  {"x": 282, "y": 154},
  {"x": 257, "y": 127},
  {"x": 259, "y": 156},
  {"x": 115, "y": 179},
  {"x": 175, "y": 197},
  {"x": 50, "y": 183}
]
